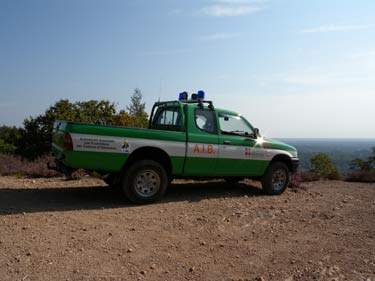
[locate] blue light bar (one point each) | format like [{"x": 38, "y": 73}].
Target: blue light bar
[
  {"x": 201, "y": 95},
  {"x": 183, "y": 96}
]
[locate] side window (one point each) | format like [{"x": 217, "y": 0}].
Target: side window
[
  {"x": 167, "y": 117},
  {"x": 234, "y": 125},
  {"x": 206, "y": 120}
]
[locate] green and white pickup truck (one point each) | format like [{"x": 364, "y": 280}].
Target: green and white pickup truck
[{"x": 185, "y": 139}]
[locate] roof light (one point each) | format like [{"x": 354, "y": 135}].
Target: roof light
[
  {"x": 194, "y": 96},
  {"x": 201, "y": 95},
  {"x": 183, "y": 96}
]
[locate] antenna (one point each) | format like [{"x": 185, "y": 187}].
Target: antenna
[{"x": 160, "y": 88}]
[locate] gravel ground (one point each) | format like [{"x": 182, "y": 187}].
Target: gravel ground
[{"x": 53, "y": 229}]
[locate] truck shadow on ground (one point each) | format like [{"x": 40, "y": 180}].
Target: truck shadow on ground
[{"x": 58, "y": 199}]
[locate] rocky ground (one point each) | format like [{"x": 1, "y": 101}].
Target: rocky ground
[{"x": 53, "y": 229}]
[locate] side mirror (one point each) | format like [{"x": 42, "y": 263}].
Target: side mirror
[{"x": 256, "y": 131}]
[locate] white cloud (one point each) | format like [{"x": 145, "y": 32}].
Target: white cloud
[
  {"x": 336, "y": 28},
  {"x": 230, "y": 10},
  {"x": 219, "y": 36}
]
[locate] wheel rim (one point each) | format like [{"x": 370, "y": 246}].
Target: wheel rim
[
  {"x": 147, "y": 183},
  {"x": 279, "y": 179}
]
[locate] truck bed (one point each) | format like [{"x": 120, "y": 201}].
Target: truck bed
[{"x": 106, "y": 148}]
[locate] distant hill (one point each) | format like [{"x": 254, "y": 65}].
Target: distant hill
[{"x": 341, "y": 151}]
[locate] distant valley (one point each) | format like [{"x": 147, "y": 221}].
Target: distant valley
[{"x": 341, "y": 151}]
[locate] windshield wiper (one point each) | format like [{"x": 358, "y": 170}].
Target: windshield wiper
[
  {"x": 235, "y": 133},
  {"x": 240, "y": 132}
]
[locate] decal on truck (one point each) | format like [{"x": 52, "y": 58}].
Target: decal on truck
[
  {"x": 96, "y": 143},
  {"x": 125, "y": 146}
]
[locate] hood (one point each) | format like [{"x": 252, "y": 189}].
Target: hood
[{"x": 275, "y": 144}]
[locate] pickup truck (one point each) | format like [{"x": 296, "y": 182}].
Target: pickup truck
[{"x": 185, "y": 139}]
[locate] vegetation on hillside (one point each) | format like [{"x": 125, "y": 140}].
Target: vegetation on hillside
[
  {"x": 322, "y": 168},
  {"x": 363, "y": 170},
  {"x": 322, "y": 165}
]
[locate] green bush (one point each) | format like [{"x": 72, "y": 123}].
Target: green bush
[
  {"x": 322, "y": 165},
  {"x": 361, "y": 176},
  {"x": 363, "y": 170},
  {"x": 6, "y": 148}
]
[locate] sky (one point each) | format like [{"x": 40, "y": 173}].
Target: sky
[{"x": 293, "y": 68}]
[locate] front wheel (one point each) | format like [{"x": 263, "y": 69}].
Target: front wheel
[
  {"x": 145, "y": 182},
  {"x": 276, "y": 179}
]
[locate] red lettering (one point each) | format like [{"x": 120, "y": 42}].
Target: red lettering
[{"x": 196, "y": 149}]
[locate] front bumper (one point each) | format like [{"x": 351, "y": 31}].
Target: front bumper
[{"x": 295, "y": 164}]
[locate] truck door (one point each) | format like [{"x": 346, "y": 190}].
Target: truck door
[
  {"x": 202, "y": 142},
  {"x": 236, "y": 140}
]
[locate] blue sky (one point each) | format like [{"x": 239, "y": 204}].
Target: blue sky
[{"x": 294, "y": 68}]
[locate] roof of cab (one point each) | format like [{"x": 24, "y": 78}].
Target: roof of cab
[{"x": 220, "y": 110}]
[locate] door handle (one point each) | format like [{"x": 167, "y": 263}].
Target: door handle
[{"x": 227, "y": 142}]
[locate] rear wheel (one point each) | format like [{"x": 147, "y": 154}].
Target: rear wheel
[
  {"x": 276, "y": 179},
  {"x": 145, "y": 182}
]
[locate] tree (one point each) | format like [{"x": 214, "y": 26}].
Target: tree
[
  {"x": 322, "y": 165},
  {"x": 364, "y": 165},
  {"x": 9, "y": 139},
  {"x": 136, "y": 115},
  {"x": 6, "y": 148},
  {"x": 36, "y": 136},
  {"x": 137, "y": 107}
]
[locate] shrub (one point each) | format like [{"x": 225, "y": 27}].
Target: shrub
[
  {"x": 295, "y": 180},
  {"x": 323, "y": 166},
  {"x": 361, "y": 176},
  {"x": 302, "y": 176},
  {"x": 6, "y": 147},
  {"x": 15, "y": 165},
  {"x": 307, "y": 176},
  {"x": 9, "y": 139}
]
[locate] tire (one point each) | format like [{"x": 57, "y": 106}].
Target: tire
[
  {"x": 276, "y": 178},
  {"x": 145, "y": 182}
]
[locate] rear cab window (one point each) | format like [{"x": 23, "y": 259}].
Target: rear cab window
[{"x": 167, "y": 117}]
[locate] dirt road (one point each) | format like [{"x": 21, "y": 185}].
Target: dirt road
[{"x": 52, "y": 229}]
